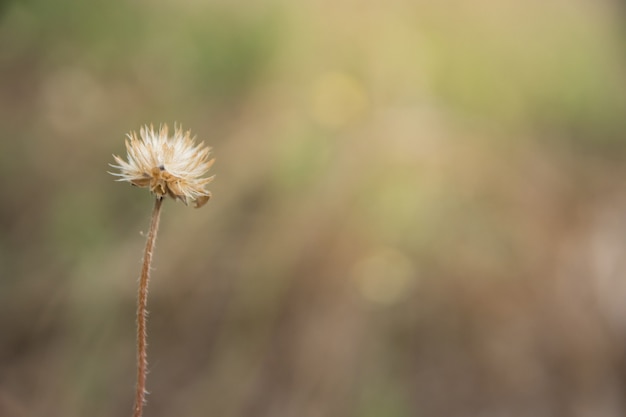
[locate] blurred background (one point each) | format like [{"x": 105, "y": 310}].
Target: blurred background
[{"x": 419, "y": 208}]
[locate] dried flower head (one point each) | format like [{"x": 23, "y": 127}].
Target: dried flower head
[{"x": 172, "y": 166}]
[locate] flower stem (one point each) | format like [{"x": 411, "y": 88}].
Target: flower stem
[{"x": 142, "y": 301}]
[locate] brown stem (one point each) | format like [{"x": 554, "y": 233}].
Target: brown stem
[{"x": 142, "y": 301}]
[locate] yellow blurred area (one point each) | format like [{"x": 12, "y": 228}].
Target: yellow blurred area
[
  {"x": 337, "y": 100},
  {"x": 419, "y": 208}
]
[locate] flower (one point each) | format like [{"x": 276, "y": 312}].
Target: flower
[{"x": 172, "y": 166}]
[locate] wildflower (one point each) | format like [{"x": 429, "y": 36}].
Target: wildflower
[
  {"x": 172, "y": 166},
  {"x": 168, "y": 166}
]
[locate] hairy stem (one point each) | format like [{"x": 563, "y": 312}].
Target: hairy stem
[{"x": 142, "y": 301}]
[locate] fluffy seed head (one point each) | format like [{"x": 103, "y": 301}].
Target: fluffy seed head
[{"x": 172, "y": 166}]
